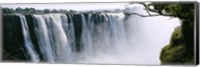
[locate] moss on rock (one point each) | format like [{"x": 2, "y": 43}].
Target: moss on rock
[
  {"x": 176, "y": 52},
  {"x": 177, "y": 37}
]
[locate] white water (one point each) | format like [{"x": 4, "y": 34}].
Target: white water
[
  {"x": 53, "y": 40},
  {"x": 146, "y": 37},
  {"x": 111, "y": 40},
  {"x": 106, "y": 37},
  {"x": 27, "y": 40}
]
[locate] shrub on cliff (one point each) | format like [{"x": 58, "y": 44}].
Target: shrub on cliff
[{"x": 176, "y": 52}]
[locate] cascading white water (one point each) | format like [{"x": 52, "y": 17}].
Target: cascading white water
[
  {"x": 27, "y": 40},
  {"x": 44, "y": 39},
  {"x": 56, "y": 36},
  {"x": 87, "y": 35},
  {"x": 137, "y": 40},
  {"x": 53, "y": 40},
  {"x": 105, "y": 38}
]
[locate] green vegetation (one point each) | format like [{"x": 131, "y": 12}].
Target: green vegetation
[
  {"x": 44, "y": 11},
  {"x": 176, "y": 52},
  {"x": 180, "y": 50}
]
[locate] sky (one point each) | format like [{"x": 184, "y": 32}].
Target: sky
[{"x": 67, "y": 6}]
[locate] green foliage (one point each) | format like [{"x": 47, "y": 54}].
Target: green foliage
[
  {"x": 180, "y": 10},
  {"x": 181, "y": 47},
  {"x": 177, "y": 37},
  {"x": 172, "y": 55},
  {"x": 176, "y": 52},
  {"x": 7, "y": 10}
]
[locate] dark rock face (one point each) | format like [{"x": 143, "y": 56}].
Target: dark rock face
[
  {"x": 78, "y": 29},
  {"x": 13, "y": 48},
  {"x": 30, "y": 23}
]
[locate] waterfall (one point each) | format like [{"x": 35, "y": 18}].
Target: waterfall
[
  {"x": 96, "y": 38},
  {"x": 52, "y": 37},
  {"x": 56, "y": 36},
  {"x": 28, "y": 43},
  {"x": 44, "y": 39},
  {"x": 101, "y": 33}
]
